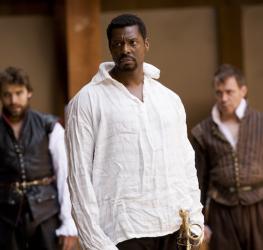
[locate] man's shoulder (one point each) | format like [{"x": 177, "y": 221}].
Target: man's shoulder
[
  {"x": 252, "y": 120},
  {"x": 1, "y": 121},
  {"x": 202, "y": 127},
  {"x": 87, "y": 90},
  {"x": 254, "y": 112},
  {"x": 81, "y": 98},
  {"x": 163, "y": 89},
  {"x": 42, "y": 115},
  {"x": 45, "y": 120}
]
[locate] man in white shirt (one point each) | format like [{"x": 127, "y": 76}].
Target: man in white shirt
[
  {"x": 35, "y": 209},
  {"x": 131, "y": 166}
]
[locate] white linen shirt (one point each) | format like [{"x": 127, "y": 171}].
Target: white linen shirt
[
  {"x": 131, "y": 166},
  {"x": 59, "y": 159}
]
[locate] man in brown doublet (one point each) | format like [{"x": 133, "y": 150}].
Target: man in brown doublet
[{"x": 229, "y": 161}]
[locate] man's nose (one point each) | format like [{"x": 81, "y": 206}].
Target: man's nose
[
  {"x": 126, "y": 48},
  {"x": 13, "y": 99},
  {"x": 224, "y": 97}
]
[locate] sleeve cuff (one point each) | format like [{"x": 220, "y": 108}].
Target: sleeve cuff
[{"x": 67, "y": 228}]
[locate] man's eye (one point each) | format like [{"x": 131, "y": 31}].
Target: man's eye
[
  {"x": 133, "y": 43},
  {"x": 116, "y": 44}
]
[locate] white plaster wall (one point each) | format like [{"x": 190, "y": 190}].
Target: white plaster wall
[
  {"x": 253, "y": 53},
  {"x": 28, "y": 42}
]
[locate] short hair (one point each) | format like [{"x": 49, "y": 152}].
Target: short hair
[
  {"x": 125, "y": 20},
  {"x": 227, "y": 70},
  {"x": 14, "y": 75}
]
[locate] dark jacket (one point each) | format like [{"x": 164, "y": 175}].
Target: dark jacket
[
  {"x": 226, "y": 175},
  {"x": 27, "y": 159}
]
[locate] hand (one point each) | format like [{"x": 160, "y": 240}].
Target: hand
[
  {"x": 67, "y": 242},
  {"x": 207, "y": 233}
]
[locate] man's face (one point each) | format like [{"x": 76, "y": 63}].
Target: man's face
[
  {"x": 128, "y": 48},
  {"x": 15, "y": 100},
  {"x": 229, "y": 95}
]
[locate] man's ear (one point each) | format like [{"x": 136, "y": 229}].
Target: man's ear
[
  {"x": 147, "y": 44},
  {"x": 29, "y": 94},
  {"x": 244, "y": 90}
]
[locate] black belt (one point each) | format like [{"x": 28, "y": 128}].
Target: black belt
[{"x": 232, "y": 189}]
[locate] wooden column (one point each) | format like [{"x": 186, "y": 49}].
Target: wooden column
[
  {"x": 83, "y": 42},
  {"x": 60, "y": 89},
  {"x": 229, "y": 27}
]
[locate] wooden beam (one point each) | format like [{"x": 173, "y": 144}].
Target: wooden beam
[
  {"x": 120, "y": 5},
  {"x": 83, "y": 39},
  {"x": 28, "y": 7}
]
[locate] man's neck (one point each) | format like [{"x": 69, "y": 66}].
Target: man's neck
[
  {"x": 15, "y": 123},
  {"x": 17, "y": 128},
  {"x": 232, "y": 118},
  {"x": 128, "y": 78},
  {"x": 133, "y": 81}
]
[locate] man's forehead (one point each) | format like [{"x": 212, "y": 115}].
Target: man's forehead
[
  {"x": 125, "y": 32},
  {"x": 13, "y": 87}
]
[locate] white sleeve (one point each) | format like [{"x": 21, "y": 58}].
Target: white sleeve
[
  {"x": 59, "y": 159},
  {"x": 196, "y": 215},
  {"x": 80, "y": 141}
]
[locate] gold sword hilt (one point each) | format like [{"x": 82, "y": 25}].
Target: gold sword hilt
[{"x": 186, "y": 237}]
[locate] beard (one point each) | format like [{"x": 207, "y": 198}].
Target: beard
[
  {"x": 126, "y": 63},
  {"x": 15, "y": 112}
]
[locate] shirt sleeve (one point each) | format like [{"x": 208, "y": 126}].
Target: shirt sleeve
[
  {"x": 196, "y": 215},
  {"x": 80, "y": 141},
  {"x": 59, "y": 159}
]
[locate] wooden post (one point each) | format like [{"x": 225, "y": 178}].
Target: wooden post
[
  {"x": 230, "y": 34},
  {"x": 83, "y": 42}
]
